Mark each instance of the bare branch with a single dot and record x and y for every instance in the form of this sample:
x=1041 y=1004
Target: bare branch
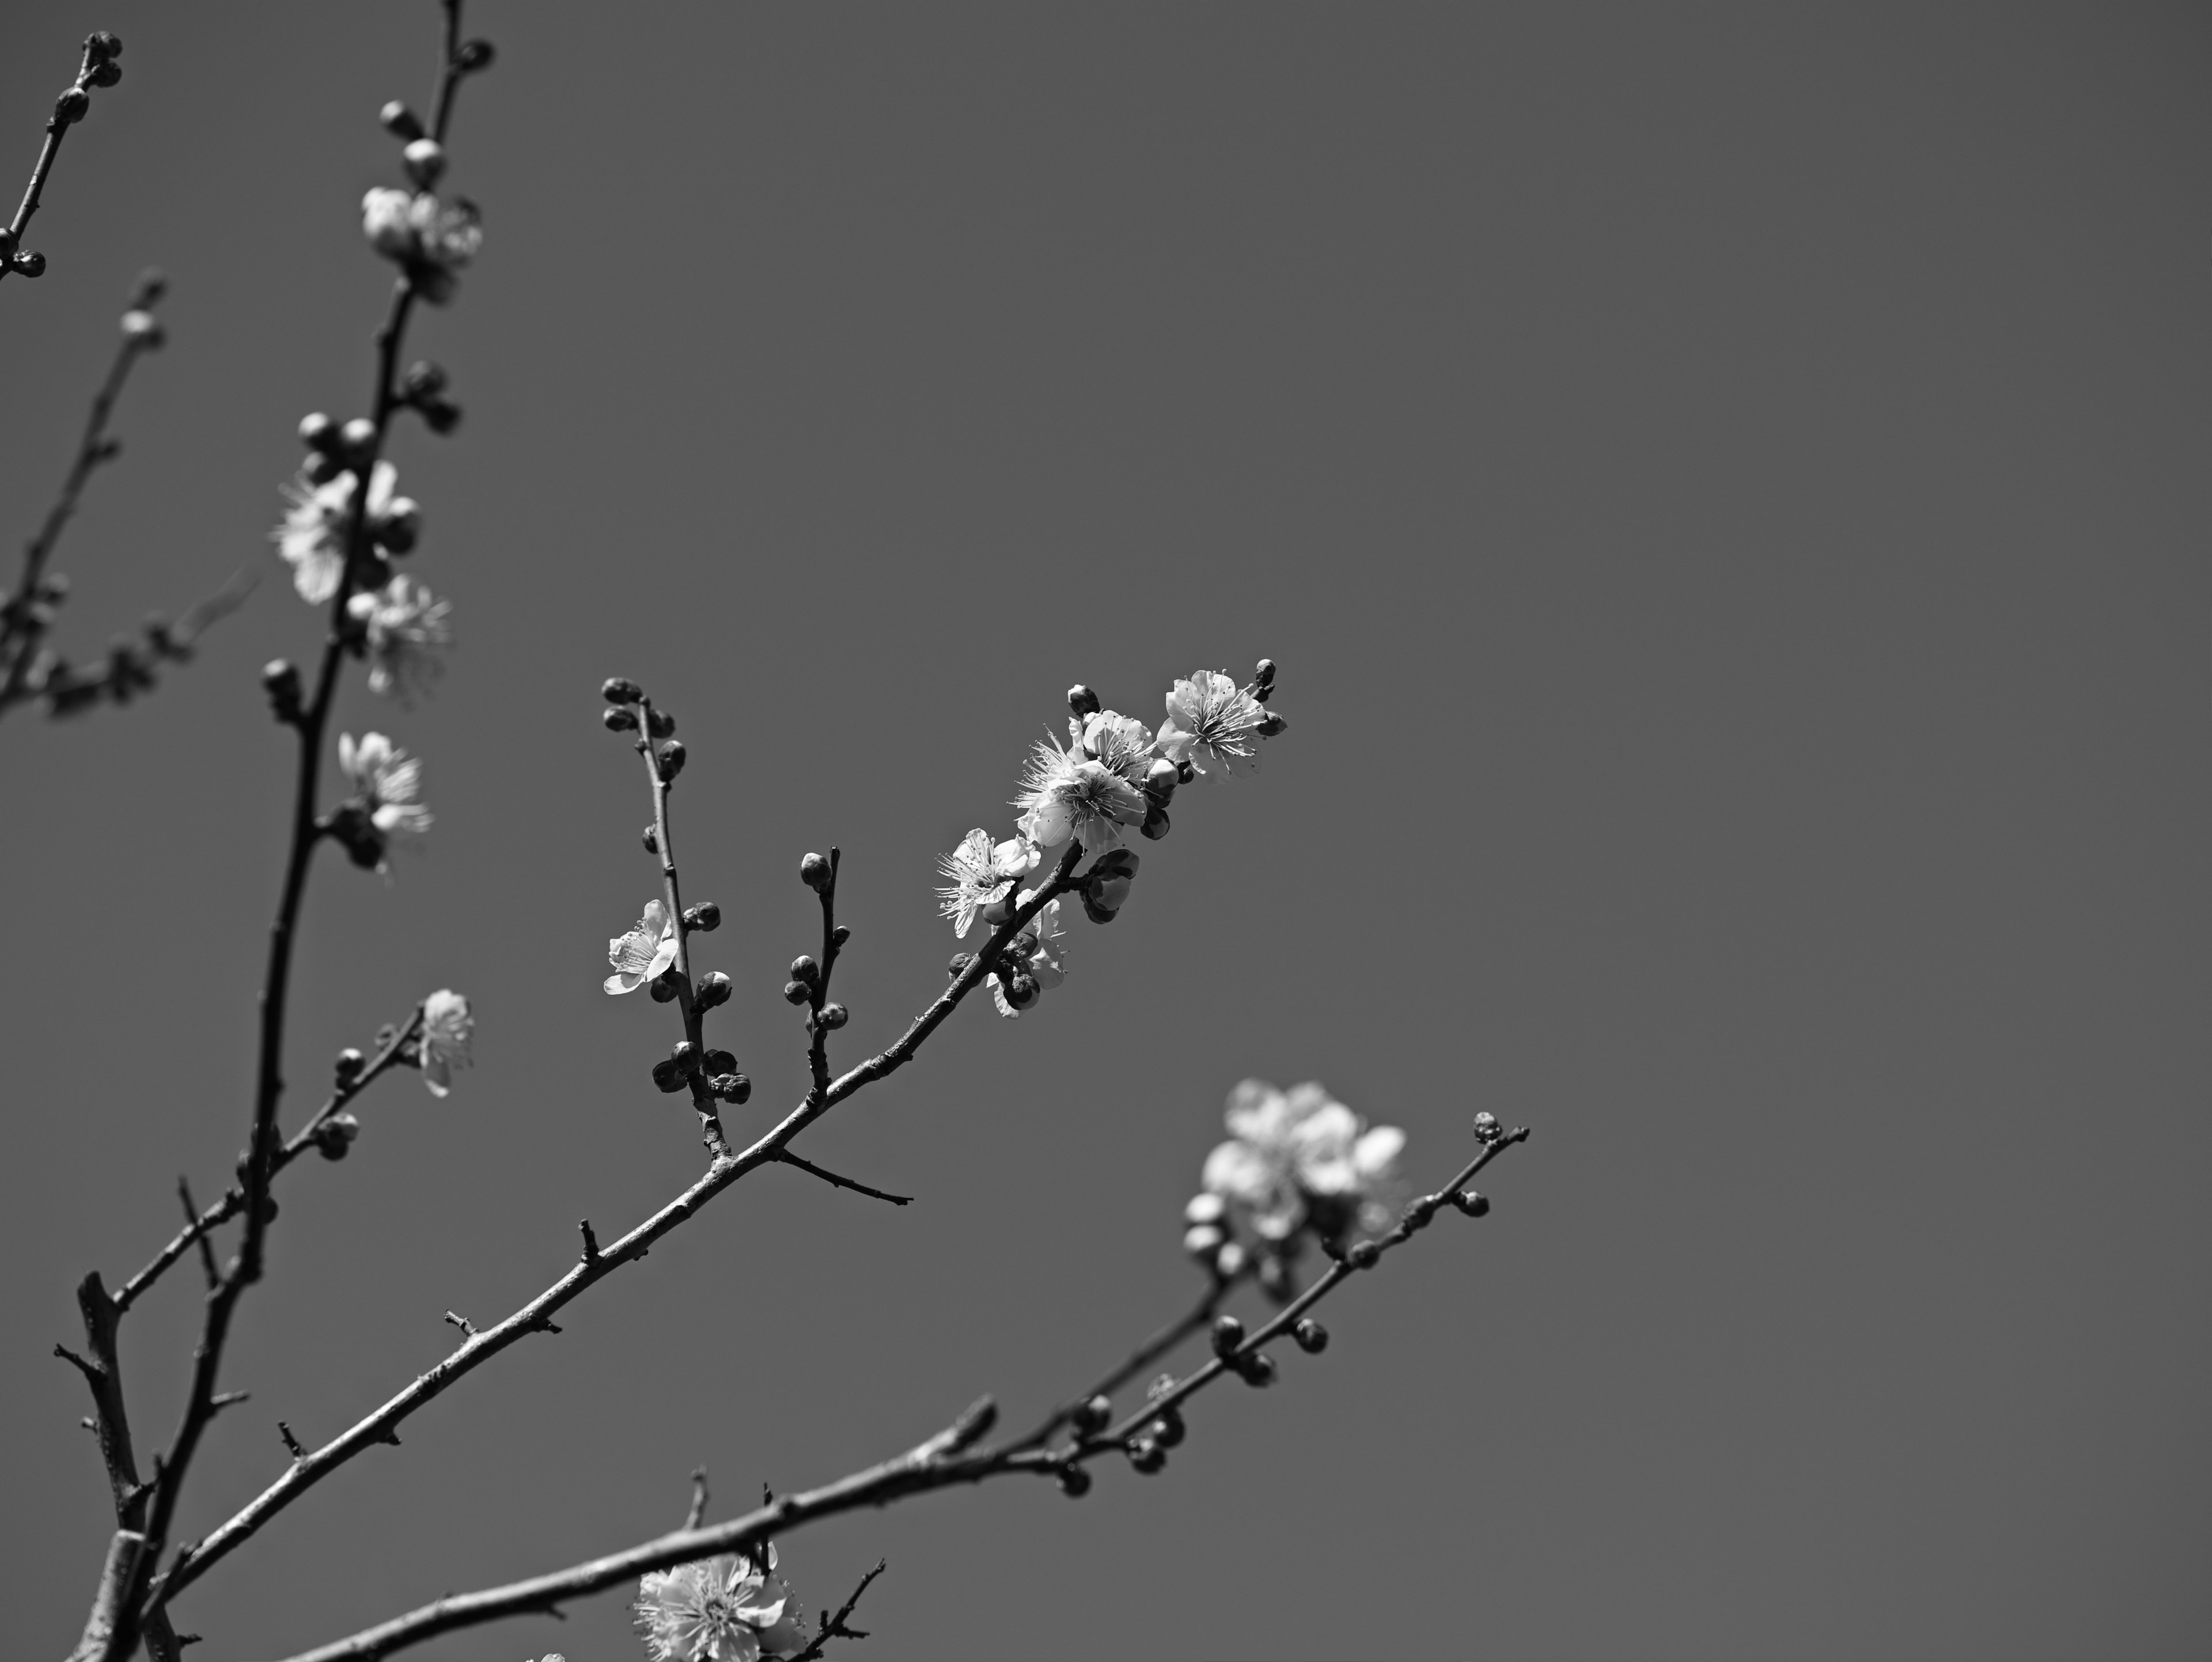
x=698 y=1508
x=836 y=1627
x=97 y=68
x=836 y=1182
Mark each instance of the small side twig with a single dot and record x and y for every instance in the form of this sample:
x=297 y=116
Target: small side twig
x=836 y=1627
x=838 y=1182
x=98 y=68
x=697 y=1511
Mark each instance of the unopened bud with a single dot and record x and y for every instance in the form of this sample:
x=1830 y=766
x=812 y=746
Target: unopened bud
x=473 y=57
x=672 y=759
x=660 y=990
x=425 y=161
x=397 y=530
x=840 y=935
x=1364 y=1255
x=1207 y=1207
x=834 y=1016
x=621 y=690
x=350 y=1062
x=1228 y=1333
x=1093 y=1416
x=804 y=968
x=144 y=328
x=1200 y=1238
x=1487 y=1128
x=101 y=44
x=400 y=122
x=1257 y=1370
x=958 y=965
x=321 y=467
x=356 y=438
x=685 y=1056
x=797 y=992
x=1271 y=725
x=734 y=1088
x=336 y=1134
x=1082 y=701
x=29 y=264
x=317 y=431
x=617 y=719
x=423 y=380
x=1312 y=1336
x=1074 y=1482
x=1155 y=822
x=718 y=1062
x=1264 y=676
x=1184 y=771
x=280 y=681
x=704 y=915
x=814 y=872
x=659 y=723
x=1145 y=1455
x=667 y=1075
x=1473 y=1204
x=651 y=840
x=713 y=989
x=105 y=75
x=72 y=105
x=1023 y=991
x=1168 y=1430
x=1229 y=1263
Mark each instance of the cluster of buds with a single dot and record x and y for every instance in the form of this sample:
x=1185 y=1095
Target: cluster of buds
x=98 y=68
x=429 y=238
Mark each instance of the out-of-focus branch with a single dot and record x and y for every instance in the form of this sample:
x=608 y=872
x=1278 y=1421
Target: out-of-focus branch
x=949 y=1457
x=97 y=68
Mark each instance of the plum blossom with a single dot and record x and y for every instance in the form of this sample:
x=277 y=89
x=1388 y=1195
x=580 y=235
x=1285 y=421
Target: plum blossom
x=433 y=240
x=1118 y=742
x=406 y=625
x=981 y=875
x=724 y=1609
x=1067 y=794
x=644 y=952
x=1300 y=1157
x=387 y=780
x=317 y=533
x=448 y=1029
x=1045 y=962
x=1212 y=723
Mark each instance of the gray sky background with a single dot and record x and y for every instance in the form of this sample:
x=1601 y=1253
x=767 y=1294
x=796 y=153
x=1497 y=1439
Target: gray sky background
x=1725 y=486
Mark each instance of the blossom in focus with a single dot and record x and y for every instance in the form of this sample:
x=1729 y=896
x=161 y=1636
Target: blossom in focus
x=1118 y=742
x=317 y=530
x=1212 y=723
x=724 y=1609
x=981 y=872
x=1300 y=1156
x=1044 y=962
x=387 y=781
x=406 y=625
x=433 y=240
x=644 y=952
x=1067 y=793
x=447 y=1029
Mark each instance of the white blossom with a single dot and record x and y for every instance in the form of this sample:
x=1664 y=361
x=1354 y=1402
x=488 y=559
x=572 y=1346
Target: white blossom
x=432 y=238
x=448 y=1028
x=644 y=952
x=1211 y=723
x=1067 y=794
x=316 y=534
x=1292 y=1156
x=724 y=1609
x=981 y=872
x=405 y=625
x=387 y=781
x=1045 y=962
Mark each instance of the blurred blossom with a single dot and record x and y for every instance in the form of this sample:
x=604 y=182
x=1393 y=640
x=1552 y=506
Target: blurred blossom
x=1066 y=793
x=981 y=873
x=433 y=240
x=318 y=529
x=387 y=781
x=448 y=1027
x=642 y=954
x=406 y=625
x=1046 y=962
x=724 y=1609
x=1211 y=724
x=1300 y=1157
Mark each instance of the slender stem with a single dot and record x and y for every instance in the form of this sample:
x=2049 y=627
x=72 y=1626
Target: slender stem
x=56 y=127
x=1198 y=1316
x=836 y=1182
x=817 y=1045
x=702 y=1097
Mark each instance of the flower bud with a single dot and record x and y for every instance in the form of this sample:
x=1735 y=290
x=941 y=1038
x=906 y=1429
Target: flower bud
x=400 y=525
x=1257 y=1370
x=144 y=328
x=814 y=872
x=1229 y=1263
x=1474 y=1205
x=995 y=912
x=423 y=380
x=1208 y=1207
x=1488 y=1130
x=1312 y=1336
x=652 y=841
x=840 y=935
x=1093 y=1416
x=661 y=989
x=425 y=161
x=105 y=75
x=734 y=1088
x=72 y=105
x=659 y=723
x=1364 y=1255
x=1023 y=991
x=718 y=1062
x=797 y=992
x=804 y=968
x=336 y=1134
x=617 y=719
x=1082 y=701
x=1074 y=1482
x=834 y=1016
x=685 y=1056
x=439 y=415
x=1228 y=1333
x=321 y=468
x=350 y=1062
x=1200 y=1238
x=713 y=989
x=1145 y=1455
x=1184 y=771
x=319 y=432
x=356 y=437
x=101 y=44
x=621 y=690
x=1162 y=778
x=1155 y=822
x=280 y=681
x=672 y=759
x=1271 y=725
x=28 y=264
x=667 y=1075
x=1419 y=1214
x=400 y=122
x=959 y=963
x=474 y=57
x=704 y=915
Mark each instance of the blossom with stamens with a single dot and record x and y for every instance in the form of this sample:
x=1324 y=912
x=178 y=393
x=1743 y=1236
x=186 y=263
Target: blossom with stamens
x=387 y=781
x=1045 y=962
x=448 y=1028
x=433 y=240
x=1067 y=794
x=1119 y=742
x=724 y=1609
x=1301 y=1156
x=404 y=625
x=644 y=952
x=316 y=534
x=1212 y=723
x=981 y=873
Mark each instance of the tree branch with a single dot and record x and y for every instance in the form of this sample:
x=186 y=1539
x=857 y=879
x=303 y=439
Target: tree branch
x=836 y=1182
x=97 y=68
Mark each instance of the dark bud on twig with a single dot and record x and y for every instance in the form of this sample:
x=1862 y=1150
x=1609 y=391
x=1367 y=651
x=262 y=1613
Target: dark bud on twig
x=336 y=1134
x=319 y=432
x=718 y=1062
x=651 y=842
x=661 y=990
x=400 y=122
x=959 y=967
x=1145 y=1455
x=101 y=44
x=713 y=989
x=1082 y=701
x=144 y=329
x=814 y=872
x=797 y=992
x=834 y=1016
x=1419 y=1214
x=28 y=264
x=425 y=161
x=474 y=57
x=1228 y=1334
x=1364 y=1255
x=1074 y=1482
x=357 y=437
x=667 y=1075
x=805 y=969
x=840 y=935
x=734 y=1088
x=1263 y=678
x=617 y=719
x=1093 y=1416
x=1312 y=1336
x=1185 y=771
x=350 y=1063
x=659 y=723
x=1168 y=1430
x=1272 y=725
x=105 y=75
x=280 y=681
x=1155 y=822
x=685 y=1056
x=1256 y=1370
x=72 y=105
x=1023 y=991
x=704 y=915
x=1473 y=1204
x=1488 y=1130
x=439 y=415
x=621 y=690
x=423 y=380
x=672 y=759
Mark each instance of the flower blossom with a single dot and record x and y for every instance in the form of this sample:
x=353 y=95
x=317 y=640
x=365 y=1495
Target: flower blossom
x=1300 y=1157
x=387 y=781
x=448 y=1028
x=1118 y=742
x=645 y=953
x=406 y=625
x=1212 y=723
x=724 y=1609
x=317 y=535
x=1068 y=793
x=981 y=875
x=1040 y=952
x=433 y=240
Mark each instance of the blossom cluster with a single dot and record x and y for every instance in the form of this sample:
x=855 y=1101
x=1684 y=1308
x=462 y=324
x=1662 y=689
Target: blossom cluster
x=1114 y=774
x=730 y=1608
x=1298 y=1164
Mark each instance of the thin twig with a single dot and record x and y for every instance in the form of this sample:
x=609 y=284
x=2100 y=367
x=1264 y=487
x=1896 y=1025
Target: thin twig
x=1199 y=1314
x=99 y=48
x=836 y=1627
x=697 y=1510
x=836 y=1182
